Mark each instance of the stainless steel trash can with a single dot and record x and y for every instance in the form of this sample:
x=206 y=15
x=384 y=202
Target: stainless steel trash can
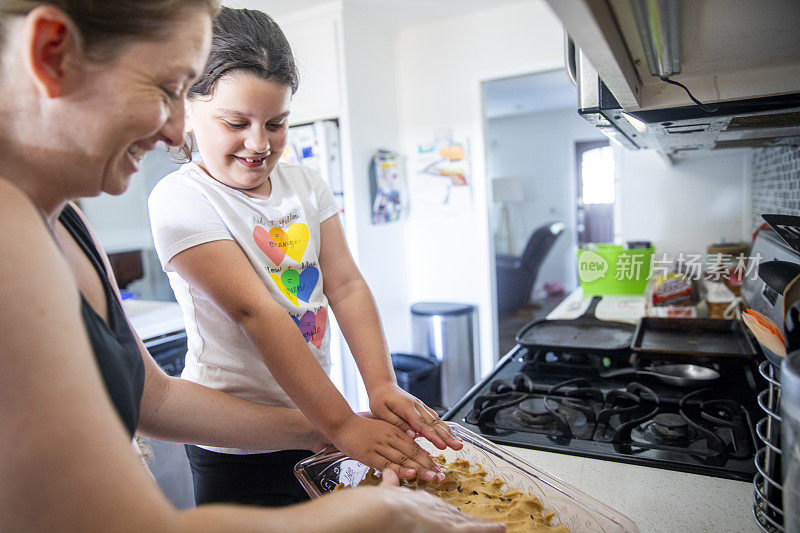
x=446 y=331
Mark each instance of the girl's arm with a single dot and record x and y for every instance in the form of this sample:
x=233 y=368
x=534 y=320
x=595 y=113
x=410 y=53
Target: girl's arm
x=357 y=315
x=67 y=461
x=178 y=410
x=222 y=272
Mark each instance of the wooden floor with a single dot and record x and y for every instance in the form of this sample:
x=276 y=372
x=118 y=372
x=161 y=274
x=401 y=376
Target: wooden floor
x=510 y=325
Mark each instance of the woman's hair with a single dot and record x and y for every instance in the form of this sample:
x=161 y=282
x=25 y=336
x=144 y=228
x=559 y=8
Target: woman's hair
x=243 y=40
x=247 y=40
x=103 y=26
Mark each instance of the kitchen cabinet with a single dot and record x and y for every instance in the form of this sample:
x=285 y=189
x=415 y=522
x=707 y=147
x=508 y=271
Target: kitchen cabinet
x=315 y=40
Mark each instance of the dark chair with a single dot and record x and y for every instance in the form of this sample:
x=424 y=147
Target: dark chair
x=516 y=275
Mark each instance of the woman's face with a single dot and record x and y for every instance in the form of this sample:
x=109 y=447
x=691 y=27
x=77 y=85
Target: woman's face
x=241 y=130
x=136 y=100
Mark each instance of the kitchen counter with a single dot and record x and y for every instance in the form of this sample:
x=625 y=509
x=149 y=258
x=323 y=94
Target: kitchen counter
x=657 y=500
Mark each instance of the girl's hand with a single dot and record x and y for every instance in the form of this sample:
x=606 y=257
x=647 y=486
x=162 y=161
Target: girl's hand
x=380 y=445
x=394 y=405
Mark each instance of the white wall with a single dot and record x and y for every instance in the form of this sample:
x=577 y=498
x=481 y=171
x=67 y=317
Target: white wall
x=686 y=207
x=440 y=69
x=369 y=52
x=539 y=149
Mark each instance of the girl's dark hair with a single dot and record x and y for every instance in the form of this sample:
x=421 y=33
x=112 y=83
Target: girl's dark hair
x=104 y=26
x=243 y=40
x=247 y=40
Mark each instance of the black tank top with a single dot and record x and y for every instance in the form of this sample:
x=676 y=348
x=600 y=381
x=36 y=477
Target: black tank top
x=115 y=348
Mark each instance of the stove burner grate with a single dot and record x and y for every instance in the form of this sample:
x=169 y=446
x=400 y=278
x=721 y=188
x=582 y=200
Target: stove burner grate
x=633 y=419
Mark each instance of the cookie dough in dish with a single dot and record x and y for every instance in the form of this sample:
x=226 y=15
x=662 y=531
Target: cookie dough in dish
x=466 y=487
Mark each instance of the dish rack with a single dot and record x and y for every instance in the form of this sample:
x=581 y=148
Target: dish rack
x=768 y=493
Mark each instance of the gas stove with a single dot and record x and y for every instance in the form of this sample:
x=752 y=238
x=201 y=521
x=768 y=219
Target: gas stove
x=558 y=402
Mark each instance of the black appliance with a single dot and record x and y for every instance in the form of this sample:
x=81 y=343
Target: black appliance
x=169 y=351
x=558 y=402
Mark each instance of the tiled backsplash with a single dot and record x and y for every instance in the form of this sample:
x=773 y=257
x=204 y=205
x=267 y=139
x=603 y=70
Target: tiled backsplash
x=775 y=187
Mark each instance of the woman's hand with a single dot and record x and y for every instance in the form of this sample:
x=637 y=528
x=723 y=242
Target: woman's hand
x=419 y=511
x=381 y=445
x=394 y=405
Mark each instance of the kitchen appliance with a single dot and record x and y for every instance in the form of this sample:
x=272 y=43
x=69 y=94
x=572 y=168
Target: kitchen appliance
x=778 y=244
x=559 y=402
x=581 y=513
x=585 y=334
x=677 y=375
x=317 y=145
x=699 y=339
x=790 y=439
x=738 y=62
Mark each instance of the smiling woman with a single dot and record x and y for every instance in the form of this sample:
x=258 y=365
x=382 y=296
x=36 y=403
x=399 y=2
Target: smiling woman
x=88 y=88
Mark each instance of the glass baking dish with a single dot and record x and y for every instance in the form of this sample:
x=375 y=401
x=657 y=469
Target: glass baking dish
x=574 y=509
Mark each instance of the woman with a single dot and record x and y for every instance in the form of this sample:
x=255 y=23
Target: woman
x=88 y=88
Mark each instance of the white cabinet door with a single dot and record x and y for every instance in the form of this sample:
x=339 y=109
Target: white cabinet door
x=315 y=44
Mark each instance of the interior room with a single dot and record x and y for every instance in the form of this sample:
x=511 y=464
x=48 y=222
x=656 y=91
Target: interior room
x=493 y=183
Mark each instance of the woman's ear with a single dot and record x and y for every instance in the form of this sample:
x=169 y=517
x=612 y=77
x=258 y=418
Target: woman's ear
x=50 y=45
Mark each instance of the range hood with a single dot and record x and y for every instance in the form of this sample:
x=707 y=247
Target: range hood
x=685 y=76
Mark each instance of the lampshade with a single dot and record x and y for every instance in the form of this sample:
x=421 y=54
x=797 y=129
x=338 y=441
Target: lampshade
x=507 y=190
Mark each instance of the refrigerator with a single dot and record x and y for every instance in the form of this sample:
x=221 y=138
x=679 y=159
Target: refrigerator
x=316 y=145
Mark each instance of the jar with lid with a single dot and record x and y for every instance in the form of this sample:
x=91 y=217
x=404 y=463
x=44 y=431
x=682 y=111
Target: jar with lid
x=790 y=440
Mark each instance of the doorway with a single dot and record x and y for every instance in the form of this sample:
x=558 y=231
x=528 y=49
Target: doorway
x=531 y=127
x=595 y=189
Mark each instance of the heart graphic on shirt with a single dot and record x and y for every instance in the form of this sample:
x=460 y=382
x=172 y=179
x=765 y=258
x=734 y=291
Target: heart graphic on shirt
x=268 y=246
x=313 y=326
x=286 y=282
x=307 y=282
x=278 y=243
x=293 y=241
x=294 y=285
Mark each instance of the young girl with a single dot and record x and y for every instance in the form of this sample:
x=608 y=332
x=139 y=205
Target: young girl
x=246 y=243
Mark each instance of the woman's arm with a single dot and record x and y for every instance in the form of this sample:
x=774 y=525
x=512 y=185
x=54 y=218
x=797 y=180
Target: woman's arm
x=221 y=271
x=179 y=410
x=357 y=315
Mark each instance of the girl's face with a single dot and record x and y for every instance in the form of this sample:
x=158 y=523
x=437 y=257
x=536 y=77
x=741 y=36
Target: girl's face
x=241 y=130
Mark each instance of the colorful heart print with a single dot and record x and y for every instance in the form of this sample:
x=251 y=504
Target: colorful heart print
x=291 y=296
x=268 y=246
x=313 y=326
x=297 y=286
x=307 y=282
x=278 y=243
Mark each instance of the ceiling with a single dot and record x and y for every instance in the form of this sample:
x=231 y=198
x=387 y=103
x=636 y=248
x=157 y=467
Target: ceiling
x=400 y=12
x=504 y=97
x=532 y=93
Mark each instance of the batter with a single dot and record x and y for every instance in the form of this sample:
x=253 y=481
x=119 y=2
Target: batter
x=471 y=493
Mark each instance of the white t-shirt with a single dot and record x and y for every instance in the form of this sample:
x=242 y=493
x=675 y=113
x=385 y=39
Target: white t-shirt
x=280 y=237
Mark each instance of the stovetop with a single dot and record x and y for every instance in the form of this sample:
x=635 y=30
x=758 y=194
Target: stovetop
x=560 y=403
